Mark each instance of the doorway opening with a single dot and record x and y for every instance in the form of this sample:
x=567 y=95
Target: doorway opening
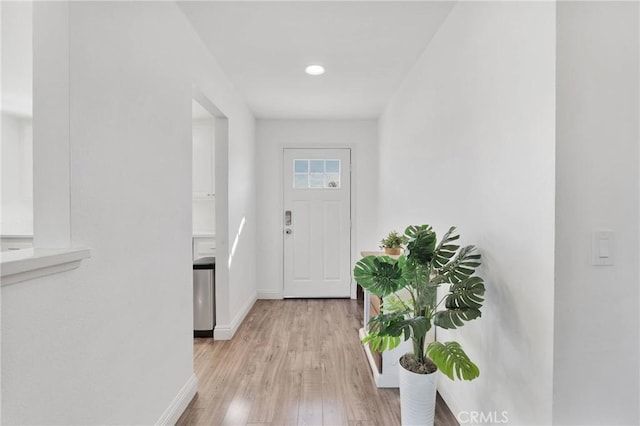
x=16 y=124
x=210 y=139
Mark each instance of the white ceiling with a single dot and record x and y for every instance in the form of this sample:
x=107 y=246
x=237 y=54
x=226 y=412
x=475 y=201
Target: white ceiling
x=367 y=48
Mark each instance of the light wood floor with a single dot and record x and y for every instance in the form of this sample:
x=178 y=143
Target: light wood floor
x=293 y=362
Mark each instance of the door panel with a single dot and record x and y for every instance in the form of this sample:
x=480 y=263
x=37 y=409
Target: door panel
x=331 y=244
x=317 y=245
x=301 y=240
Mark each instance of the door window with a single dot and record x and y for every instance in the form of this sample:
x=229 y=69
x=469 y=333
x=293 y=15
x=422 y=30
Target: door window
x=316 y=174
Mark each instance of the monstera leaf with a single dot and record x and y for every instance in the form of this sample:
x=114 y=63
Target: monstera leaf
x=380 y=324
x=452 y=361
x=409 y=327
x=380 y=275
x=381 y=343
x=385 y=328
x=463 y=303
x=421 y=245
x=446 y=249
x=395 y=304
x=379 y=336
x=455 y=318
x=462 y=266
x=466 y=294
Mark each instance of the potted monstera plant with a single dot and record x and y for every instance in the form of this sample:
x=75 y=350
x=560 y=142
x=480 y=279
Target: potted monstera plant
x=408 y=286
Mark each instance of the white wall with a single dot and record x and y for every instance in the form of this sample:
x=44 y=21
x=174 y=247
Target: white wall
x=16 y=153
x=111 y=342
x=274 y=135
x=468 y=140
x=596 y=307
x=242 y=222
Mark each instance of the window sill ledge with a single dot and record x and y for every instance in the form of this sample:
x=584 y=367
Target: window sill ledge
x=27 y=264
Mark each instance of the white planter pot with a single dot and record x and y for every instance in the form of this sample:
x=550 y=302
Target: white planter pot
x=417 y=397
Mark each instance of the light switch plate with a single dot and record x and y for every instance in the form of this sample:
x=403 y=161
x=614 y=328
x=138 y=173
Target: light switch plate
x=602 y=248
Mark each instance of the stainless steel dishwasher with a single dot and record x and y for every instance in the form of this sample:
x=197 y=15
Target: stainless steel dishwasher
x=204 y=296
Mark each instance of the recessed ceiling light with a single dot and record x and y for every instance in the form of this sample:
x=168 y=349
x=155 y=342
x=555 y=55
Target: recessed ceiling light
x=314 y=70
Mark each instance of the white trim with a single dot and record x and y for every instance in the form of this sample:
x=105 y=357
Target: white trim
x=449 y=398
x=270 y=294
x=180 y=402
x=353 y=211
x=226 y=332
x=27 y=264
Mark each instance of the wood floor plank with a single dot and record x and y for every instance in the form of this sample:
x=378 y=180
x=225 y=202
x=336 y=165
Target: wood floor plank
x=362 y=423
x=293 y=362
x=288 y=393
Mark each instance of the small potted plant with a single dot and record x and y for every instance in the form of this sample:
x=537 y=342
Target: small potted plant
x=424 y=267
x=393 y=243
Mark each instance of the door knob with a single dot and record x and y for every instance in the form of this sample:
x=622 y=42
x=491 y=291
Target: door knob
x=288 y=231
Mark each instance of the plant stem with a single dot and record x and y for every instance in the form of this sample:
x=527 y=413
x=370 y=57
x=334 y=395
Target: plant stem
x=441 y=300
x=413 y=298
x=418 y=349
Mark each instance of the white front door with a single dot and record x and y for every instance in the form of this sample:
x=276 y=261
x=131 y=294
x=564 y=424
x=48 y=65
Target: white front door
x=316 y=222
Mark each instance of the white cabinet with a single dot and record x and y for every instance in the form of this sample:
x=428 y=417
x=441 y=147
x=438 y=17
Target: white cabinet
x=204 y=187
x=204 y=246
x=204 y=184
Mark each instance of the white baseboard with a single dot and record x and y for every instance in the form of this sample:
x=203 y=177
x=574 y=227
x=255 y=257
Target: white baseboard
x=270 y=294
x=227 y=331
x=448 y=397
x=179 y=403
x=372 y=363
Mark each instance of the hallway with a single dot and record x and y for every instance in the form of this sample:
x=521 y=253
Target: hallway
x=293 y=362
